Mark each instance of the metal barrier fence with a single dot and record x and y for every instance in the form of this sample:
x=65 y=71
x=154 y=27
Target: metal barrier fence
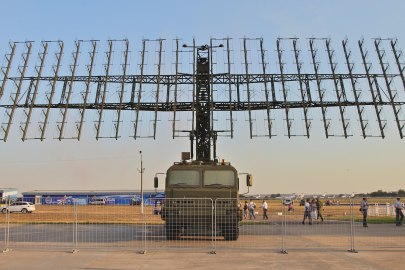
x=379 y=228
x=184 y=223
x=249 y=228
x=200 y=224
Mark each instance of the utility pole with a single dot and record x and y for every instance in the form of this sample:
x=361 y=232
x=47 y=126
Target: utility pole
x=141 y=171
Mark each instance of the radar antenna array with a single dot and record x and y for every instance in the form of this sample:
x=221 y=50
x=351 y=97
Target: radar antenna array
x=203 y=90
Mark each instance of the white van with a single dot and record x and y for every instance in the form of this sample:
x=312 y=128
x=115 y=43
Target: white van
x=97 y=201
x=287 y=201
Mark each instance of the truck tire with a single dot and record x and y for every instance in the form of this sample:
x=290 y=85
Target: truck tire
x=172 y=231
x=230 y=231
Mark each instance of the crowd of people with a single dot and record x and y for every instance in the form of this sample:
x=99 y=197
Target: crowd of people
x=313 y=211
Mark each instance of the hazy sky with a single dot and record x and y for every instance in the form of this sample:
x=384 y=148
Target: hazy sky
x=278 y=165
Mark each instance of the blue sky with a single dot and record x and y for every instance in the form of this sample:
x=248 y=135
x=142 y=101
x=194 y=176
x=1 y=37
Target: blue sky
x=314 y=165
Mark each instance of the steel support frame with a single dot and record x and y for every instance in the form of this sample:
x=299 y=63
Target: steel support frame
x=64 y=110
x=203 y=105
x=339 y=93
x=301 y=85
x=356 y=92
x=218 y=106
x=321 y=92
x=392 y=96
x=211 y=93
x=27 y=98
x=58 y=57
x=92 y=54
x=158 y=86
x=247 y=87
x=25 y=56
x=266 y=91
x=175 y=86
x=228 y=54
x=221 y=78
x=192 y=133
x=140 y=89
x=31 y=100
x=121 y=93
x=100 y=111
x=398 y=55
x=286 y=107
x=377 y=107
x=9 y=59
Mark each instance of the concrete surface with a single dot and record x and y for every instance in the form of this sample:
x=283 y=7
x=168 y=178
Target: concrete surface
x=224 y=259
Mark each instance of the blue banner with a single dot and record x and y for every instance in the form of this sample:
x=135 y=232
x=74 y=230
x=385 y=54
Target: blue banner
x=83 y=200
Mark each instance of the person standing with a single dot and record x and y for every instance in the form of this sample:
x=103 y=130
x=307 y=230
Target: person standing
x=245 y=210
x=252 y=207
x=398 y=210
x=364 y=209
x=312 y=208
x=319 y=207
x=306 y=212
x=264 y=206
x=291 y=207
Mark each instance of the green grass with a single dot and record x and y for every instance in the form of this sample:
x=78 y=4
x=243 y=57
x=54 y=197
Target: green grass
x=377 y=220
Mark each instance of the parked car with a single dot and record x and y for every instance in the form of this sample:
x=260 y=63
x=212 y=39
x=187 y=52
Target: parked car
x=97 y=201
x=23 y=207
x=135 y=201
x=287 y=201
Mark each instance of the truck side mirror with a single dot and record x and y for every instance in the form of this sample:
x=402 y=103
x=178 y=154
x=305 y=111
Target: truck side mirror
x=156 y=182
x=249 y=180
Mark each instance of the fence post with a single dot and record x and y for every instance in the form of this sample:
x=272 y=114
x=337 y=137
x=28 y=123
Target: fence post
x=74 y=248
x=143 y=212
x=7 y=227
x=283 y=229
x=214 y=226
x=352 y=235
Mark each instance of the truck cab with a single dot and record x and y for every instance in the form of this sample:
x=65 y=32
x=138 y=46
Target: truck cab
x=202 y=180
x=201 y=194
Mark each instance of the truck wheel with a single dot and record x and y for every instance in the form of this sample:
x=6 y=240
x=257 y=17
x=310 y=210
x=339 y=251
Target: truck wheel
x=230 y=232
x=4 y=210
x=24 y=211
x=172 y=231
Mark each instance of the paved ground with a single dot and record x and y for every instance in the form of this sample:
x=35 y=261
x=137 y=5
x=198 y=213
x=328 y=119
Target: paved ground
x=118 y=246
x=175 y=259
x=327 y=234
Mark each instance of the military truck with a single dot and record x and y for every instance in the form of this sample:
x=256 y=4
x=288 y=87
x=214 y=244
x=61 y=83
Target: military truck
x=190 y=185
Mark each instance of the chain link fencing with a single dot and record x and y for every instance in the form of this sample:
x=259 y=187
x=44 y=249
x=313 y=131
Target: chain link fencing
x=201 y=224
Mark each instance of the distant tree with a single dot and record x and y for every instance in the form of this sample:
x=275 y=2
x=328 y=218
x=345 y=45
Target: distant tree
x=380 y=193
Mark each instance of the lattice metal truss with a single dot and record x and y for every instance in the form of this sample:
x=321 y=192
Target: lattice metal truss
x=202 y=82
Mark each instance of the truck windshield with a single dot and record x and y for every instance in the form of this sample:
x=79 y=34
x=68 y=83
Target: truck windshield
x=184 y=178
x=219 y=178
